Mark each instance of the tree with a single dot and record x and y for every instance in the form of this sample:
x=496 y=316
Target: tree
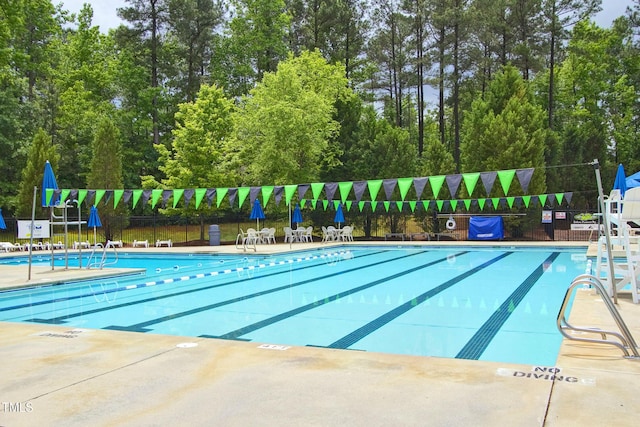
x=40 y=151
x=284 y=128
x=200 y=156
x=506 y=130
x=106 y=169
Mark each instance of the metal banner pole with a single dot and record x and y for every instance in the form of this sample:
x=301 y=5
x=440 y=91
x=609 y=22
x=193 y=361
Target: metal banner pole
x=33 y=220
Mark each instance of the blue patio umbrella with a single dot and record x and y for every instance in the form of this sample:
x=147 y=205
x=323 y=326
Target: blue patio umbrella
x=94 y=221
x=297 y=215
x=257 y=213
x=48 y=182
x=633 y=180
x=620 y=182
x=339 y=217
x=3 y=225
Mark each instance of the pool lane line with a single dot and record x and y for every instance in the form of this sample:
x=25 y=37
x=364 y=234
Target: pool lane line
x=140 y=327
x=61 y=319
x=277 y=318
x=360 y=333
x=171 y=280
x=474 y=348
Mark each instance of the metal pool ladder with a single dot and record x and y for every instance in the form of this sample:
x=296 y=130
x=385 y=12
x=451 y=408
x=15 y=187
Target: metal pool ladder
x=102 y=261
x=625 y=342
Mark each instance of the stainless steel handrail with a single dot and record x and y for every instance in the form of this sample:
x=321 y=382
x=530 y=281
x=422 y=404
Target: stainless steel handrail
x=626 y=342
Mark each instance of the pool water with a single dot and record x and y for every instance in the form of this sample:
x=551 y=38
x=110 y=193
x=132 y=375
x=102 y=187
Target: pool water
x=481 y=304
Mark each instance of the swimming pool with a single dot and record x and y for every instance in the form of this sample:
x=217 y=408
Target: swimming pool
x=497 y=304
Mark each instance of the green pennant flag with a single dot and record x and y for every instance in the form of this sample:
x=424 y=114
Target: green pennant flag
x=440 y=204
x=348 y=205
x=526 y=200
x=412 y=205
x=325 y=204
x=267 y=191
x=467 y=203
x=559 y=197
x=303 y=202
x=345 y=188
x=361 y=205
x=470 y=181
x=243 y=192
x=374 y=186
x=374 y=205
x=386 y=205
x=316 y=189
x=543 y=199
x=289 y=191
x=117 y=196
x=505 y=179
x=314 y=203
x=404 y=184
x=99 y=195
x=399 y=204
x=200 y=193
x=81 y=196
x=425 y=204
x=136 y=197
x=436 y=184
x=177 y=195
x=510 y=201
x=63 y=195
x=220 y=194
x=156 y=193
x=48 y=194
x=335 y=204
x=496 y=201
x=481 y=203
x=454 y=204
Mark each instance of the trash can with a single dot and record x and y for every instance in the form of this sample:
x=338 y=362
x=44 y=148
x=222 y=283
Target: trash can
x=214 y=235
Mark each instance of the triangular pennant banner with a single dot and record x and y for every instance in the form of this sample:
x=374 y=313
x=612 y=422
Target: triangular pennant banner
x=99 y=196
x=146 y=195
x=361 y=205
x=316 y=189
x=436 y=184
x=389 y=185
x=481 y=203
x=177 y=195
x=166 y=194
x=302 y=189
x=81 y=195
x=467 y=203
x=188 y=195
x=243 y=192
x=386 y=205
x=209 y=195
x=156 y=193
x=505 y=179
x=253 y=194
x=330 y=190
x=220 y=193
x=526 y=200
x=524 y=177
x=510 y=201
x=136 y=197
x=399 y=204
x=267 y=191
x=289 y=191
x=488 y=179
x=470 y=181
x=232 y=193
x=278 y=190
x=199 y=192
x=127 y=196
x=453 y=182
x=439 y=204
x=358 y=190
x=404 y=184
x=419 y=184
x=117 y=196
x=412 y=205
x=559 y=197
x=374 y=187
x=568 y=196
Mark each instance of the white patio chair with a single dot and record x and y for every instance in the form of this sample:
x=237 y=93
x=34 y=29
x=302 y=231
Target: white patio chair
x=347 y=233
x=307 y=236
x=288 y=235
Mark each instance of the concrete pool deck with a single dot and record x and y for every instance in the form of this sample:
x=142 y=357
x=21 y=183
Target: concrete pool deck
x=53 y=375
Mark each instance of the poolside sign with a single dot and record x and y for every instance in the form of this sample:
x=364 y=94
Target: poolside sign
x=40 y=229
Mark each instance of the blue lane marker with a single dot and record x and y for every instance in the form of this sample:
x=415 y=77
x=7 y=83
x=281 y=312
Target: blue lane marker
x=474 y=348
x=266 y=322
x=375 y=324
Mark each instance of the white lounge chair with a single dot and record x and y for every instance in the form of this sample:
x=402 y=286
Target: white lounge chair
x=166 y=243
x=140 y=244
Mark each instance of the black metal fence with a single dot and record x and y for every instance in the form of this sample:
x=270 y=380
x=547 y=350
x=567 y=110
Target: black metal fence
x=193 y=229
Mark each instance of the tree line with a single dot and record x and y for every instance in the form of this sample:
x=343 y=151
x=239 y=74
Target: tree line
x=206 y=93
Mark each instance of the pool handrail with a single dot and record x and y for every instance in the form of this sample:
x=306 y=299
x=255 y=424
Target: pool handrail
x=626 y=344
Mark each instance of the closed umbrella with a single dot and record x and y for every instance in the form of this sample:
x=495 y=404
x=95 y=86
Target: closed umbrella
x=48 y=182
x=257 y=213
x=620 y=182
x=339 y=217
x=94 y=221
x=297 y=214
x=3 y=225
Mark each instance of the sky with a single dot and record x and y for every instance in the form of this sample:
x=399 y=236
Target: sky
x=105 y=16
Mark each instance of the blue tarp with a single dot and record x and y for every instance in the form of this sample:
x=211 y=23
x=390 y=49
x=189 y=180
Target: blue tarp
x=486 y=228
